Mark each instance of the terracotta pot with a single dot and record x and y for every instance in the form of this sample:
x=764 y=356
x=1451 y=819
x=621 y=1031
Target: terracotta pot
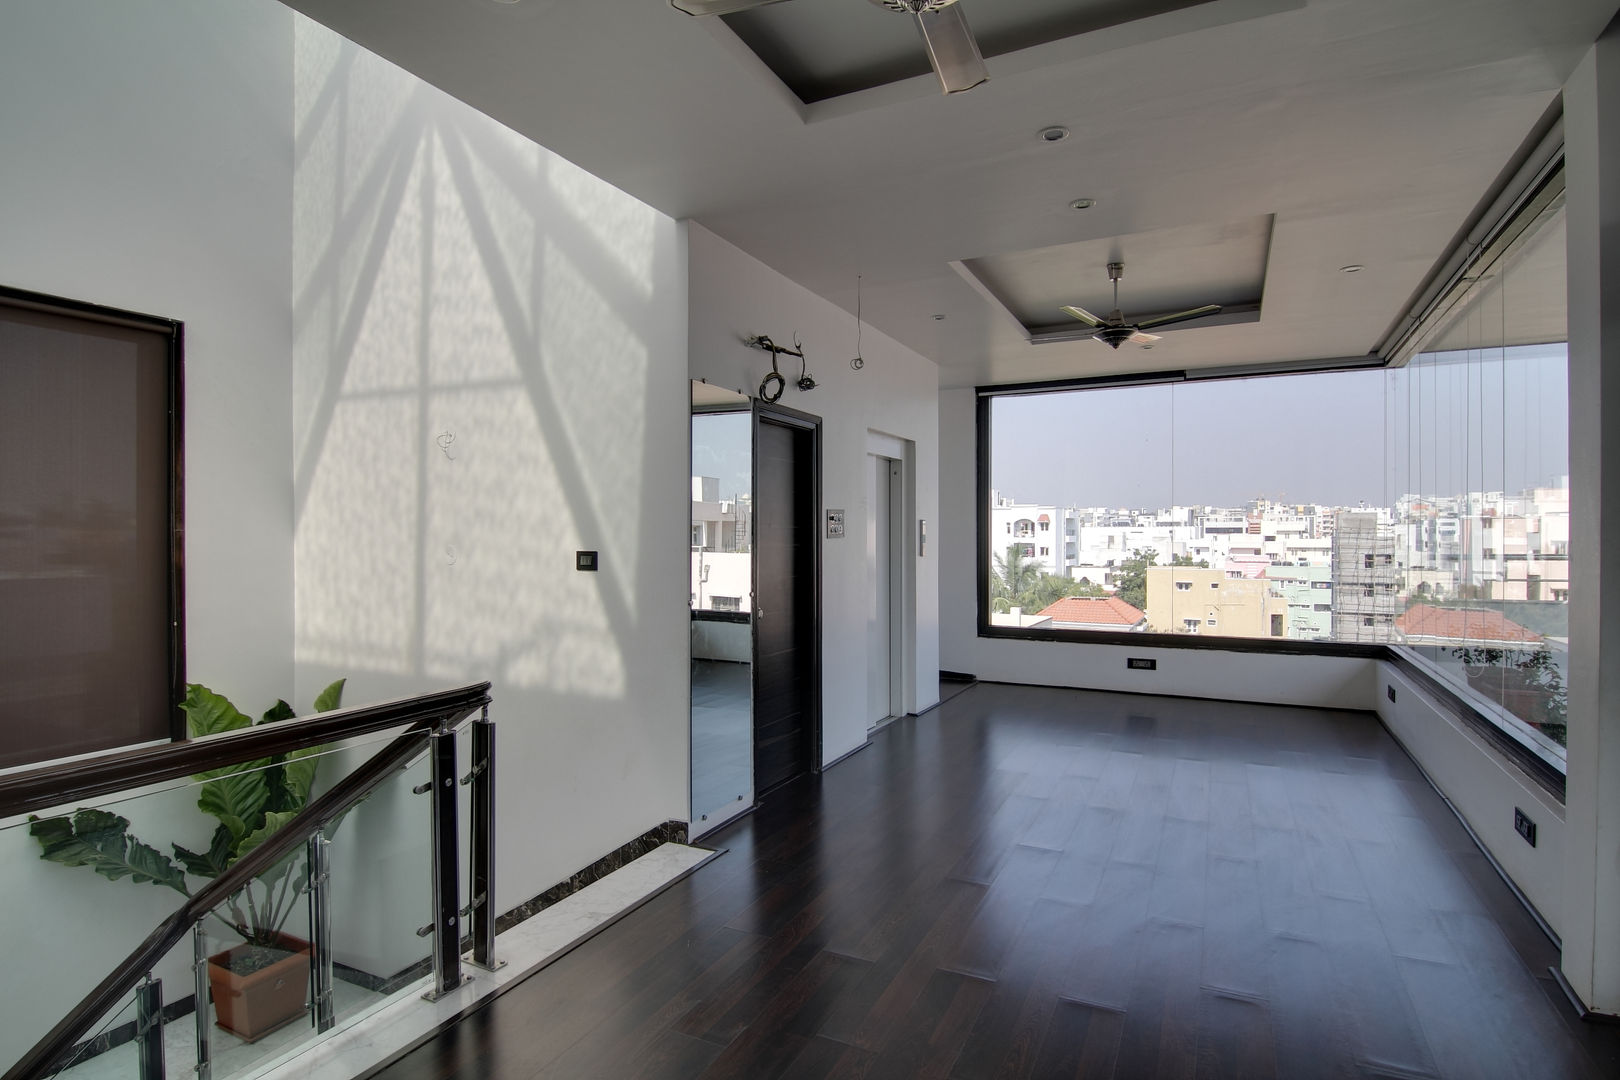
x=253 y=1005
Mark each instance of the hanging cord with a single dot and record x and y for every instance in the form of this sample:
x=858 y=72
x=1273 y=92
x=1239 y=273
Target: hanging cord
x=857 y=363
x=805 y=381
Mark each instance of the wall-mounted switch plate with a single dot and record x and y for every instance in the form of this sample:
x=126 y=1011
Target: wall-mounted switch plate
x=1389 y=692
x=585 y=560
x=1141 y=663
x=1524 y=826
x=835 y=524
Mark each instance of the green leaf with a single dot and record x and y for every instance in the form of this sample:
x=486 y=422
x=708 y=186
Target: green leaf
x=208 y=713
x=331 y=698
x=213 y=862
x=101 y=841
x=279 y=711
x=298 y=773
x=273 y=823
x=238 y=798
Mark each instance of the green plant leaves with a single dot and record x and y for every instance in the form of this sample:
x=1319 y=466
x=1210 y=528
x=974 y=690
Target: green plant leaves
x=237 y=799
x=213 y=862
x=330 y=698
x=208 y=713
x=273 y=823
x=252 y=802
x=101 y=841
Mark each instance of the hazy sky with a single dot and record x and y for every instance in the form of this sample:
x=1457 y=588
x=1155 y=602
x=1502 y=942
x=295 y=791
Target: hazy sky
x=721 y=448
x=1340 y=438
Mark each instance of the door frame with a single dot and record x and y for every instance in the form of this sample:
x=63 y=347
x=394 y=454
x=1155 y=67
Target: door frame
x=769 y=413
x=903 y=617
x=701 y=823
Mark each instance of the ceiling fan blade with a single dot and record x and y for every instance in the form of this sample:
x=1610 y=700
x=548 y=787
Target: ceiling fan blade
x=951 y=48
x=1144 y=339
x=1082 y=314
x=1180 y=316
x=717 y=7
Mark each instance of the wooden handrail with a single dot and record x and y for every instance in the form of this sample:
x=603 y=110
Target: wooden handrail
x=40 y=788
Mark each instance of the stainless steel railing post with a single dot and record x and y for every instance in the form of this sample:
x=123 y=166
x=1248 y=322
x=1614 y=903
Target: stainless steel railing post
x=149 y=1028
x=320 y=931
x=482 y=901
x=199 y=982
x=446 y=864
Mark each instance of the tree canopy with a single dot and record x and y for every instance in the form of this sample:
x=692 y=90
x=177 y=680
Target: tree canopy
x=1130 y=584
x=1020 y=582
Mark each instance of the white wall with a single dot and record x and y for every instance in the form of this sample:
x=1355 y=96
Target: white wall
x=146 y=159
x=1484 y=788
x=1323 y=681
x=489 y=373
x=734 y=296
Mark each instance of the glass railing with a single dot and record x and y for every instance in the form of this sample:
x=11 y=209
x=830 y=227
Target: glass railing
x=227 y=941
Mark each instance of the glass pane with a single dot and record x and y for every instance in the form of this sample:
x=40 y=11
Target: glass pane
x=89 y=882
x=1080 y=509
x=722 y=606
x=1486 y=539
x=108 y=1050
x=258 y=969
x=382 y=892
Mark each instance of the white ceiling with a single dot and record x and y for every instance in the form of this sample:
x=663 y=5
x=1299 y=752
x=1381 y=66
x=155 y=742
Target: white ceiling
x=1369 y=129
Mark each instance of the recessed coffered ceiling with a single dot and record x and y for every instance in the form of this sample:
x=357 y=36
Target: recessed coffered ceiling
x=1365 y=131
x=819 y=55
x=1165 y=271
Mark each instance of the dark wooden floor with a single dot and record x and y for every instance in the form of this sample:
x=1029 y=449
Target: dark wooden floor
x=1049 y=883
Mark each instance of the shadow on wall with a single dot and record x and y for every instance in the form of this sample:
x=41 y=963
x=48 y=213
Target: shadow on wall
x=469 y=393
x=487 y=340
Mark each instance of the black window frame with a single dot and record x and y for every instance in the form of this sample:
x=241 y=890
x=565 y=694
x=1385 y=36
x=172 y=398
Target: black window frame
x=174 y=331
x=1549 y=778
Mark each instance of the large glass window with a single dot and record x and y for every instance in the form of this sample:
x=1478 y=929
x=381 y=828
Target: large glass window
x=1423 y=506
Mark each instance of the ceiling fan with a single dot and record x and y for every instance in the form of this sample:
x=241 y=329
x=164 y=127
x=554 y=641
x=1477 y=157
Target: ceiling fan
x=952 y=49
x=1114 y=331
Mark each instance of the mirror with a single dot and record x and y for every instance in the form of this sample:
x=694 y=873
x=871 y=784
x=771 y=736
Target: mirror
x=721 y=600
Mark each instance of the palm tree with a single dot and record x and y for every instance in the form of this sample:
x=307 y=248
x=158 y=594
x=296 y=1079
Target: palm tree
x=1014 y=580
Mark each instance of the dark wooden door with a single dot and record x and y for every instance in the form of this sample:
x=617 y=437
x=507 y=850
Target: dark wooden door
x=787 y=616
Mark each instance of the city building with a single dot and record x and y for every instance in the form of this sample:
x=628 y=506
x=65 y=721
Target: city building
x=1365 y=578
x=1193 y=600
x=1308 y=592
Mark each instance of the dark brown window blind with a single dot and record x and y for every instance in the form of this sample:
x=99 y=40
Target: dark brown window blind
x=89 y=589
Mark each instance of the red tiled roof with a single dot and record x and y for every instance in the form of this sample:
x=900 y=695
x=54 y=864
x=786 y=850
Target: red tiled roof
x=1094 y=610
x=1461 y=624
x=1043 y=517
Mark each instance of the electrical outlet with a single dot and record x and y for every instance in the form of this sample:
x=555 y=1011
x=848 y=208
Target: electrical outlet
x=1389 y=692
x=1524 y=826
x=1141 y=663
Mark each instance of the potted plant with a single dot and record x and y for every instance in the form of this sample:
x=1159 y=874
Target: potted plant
x=260 y=984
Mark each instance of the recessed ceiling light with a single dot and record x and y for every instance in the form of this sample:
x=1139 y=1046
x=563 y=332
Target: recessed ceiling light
x=1082 y=204
x=1353 y=268
x=939 y=318
x=1055 y=133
